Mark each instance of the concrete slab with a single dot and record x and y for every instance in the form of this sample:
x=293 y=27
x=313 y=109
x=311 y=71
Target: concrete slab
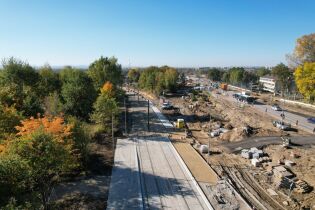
x=173 y=189
x=125 y=191
x=149 y=173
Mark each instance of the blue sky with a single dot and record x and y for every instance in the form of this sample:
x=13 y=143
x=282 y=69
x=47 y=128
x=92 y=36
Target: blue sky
x=183 y=33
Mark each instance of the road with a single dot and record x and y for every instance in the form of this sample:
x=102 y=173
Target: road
x=148 y=173
x=267 y=140
x=289 y=117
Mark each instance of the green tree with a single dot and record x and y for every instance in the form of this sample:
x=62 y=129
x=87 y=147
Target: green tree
x=19 y=87
x=15 y=178
x=305 y=80
x=226 y=76
x=105 y=69
x=104 y=108
x=18 y=72
x=283 y=76
x=262 y=72
x=236 y=75
x=32 y=103
x=81 y=139
x=147 y=78
x=182 y=78
x=11 y=94
x=47 y=159
x=77 y=93
x=171 y=78
x=214 y=74
x=52 y=104
x=249 y=77
x=9 y=118
x=49 y=81
x=156 y=79
x=133 y=75
x=32 y=164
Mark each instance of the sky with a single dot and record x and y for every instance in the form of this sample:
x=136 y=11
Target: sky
x=178 y=33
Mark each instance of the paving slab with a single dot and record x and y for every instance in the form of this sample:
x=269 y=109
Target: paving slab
x=173 y=188
x=148 y=173
x=125 y=190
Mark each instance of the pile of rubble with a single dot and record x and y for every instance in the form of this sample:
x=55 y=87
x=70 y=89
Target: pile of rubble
x=282 y=175
x=257 y=156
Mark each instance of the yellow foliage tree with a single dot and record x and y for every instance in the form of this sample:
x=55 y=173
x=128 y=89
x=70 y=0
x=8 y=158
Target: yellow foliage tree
x=305 y=80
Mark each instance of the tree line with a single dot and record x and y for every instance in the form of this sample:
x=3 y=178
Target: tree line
x=301 y=70
x=155 y=79
x=45 y=125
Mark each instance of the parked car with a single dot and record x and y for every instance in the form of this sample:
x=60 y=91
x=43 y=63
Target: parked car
x=235 y=95
x=166 y=106
x=311 y=120
x=276 y=107
x=217 y=132
x=214 y=133
x=281 y=125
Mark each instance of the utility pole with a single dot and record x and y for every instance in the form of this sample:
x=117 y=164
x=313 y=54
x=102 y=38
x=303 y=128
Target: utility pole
x=125 y=115
x=148 y=115
x=208 y=151
x=113 y=130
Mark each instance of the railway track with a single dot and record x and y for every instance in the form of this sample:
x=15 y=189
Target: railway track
x=247 y=187
x=260 y=191
x=164 y=183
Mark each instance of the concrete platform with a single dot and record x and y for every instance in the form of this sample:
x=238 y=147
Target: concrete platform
x=148 y=174
x=125 y=191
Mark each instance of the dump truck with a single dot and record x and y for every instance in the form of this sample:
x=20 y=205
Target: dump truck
x=180 y=123
x=224 y=86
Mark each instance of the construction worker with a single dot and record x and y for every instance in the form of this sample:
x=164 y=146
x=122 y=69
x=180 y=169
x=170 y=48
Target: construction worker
x=297 y=123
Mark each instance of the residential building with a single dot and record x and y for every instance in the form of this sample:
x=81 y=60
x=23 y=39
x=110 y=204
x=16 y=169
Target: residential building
x=269 y=84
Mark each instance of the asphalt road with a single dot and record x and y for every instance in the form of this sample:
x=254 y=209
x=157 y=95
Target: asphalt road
x=289 y=117
x=148 y=173
x=298 y=141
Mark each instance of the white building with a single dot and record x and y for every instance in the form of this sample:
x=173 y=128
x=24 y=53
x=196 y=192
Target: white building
x=269 y=84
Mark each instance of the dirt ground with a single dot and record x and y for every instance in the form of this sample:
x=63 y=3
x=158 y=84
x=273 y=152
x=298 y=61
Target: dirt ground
x=223 y=114
x=233 y=117
x=89 y=191
x=304 y=158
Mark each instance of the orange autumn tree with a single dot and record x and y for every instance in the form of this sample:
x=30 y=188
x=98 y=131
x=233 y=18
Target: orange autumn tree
x=108 y=89
x=53 y=125
x=2 y=148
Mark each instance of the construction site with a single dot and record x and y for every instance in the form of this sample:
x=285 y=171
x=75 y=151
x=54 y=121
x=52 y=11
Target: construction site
x=248 y=162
